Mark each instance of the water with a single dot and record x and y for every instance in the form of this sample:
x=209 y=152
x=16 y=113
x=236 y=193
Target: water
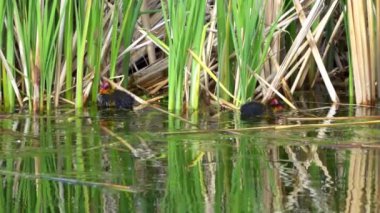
x=112 y=161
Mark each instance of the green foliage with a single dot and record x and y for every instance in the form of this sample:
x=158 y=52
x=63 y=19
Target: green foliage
x=184 y=24
x=50 y=37
x=9 y=96
x=251 y=41
x=225 y=48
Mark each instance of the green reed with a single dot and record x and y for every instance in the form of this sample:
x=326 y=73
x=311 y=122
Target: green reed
x=184 y=24
x=225 y=48
x=68 y=50
x=198 y=46
x=251 y=40
x=82 y=15
x=94 y=48
x=9 y=95
x=123 y=31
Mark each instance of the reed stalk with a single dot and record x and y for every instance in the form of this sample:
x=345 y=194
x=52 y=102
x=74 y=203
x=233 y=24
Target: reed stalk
x=83 y=21
x=9 y=96
x=251 y=40
x=2 y=16
x=24 y=49
x=68 y=52
x=130 y=11
x=198 y=46
x=377 y=56
x=49 y=48
x=95 y=41
x=273 y=10
x=183 y=20
x=225 y=48
x=362 y=40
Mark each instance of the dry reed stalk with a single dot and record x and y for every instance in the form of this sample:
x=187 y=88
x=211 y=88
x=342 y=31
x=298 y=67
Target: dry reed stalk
x=301 y=50
x=293 y=49
x=333 y=34
x=146 y=23
x=274 y=127
x=156 y=87
x=362 y=56
x=262 y=80
x=360 y=23
x=355 y=60
x=317 y=55
x=286 y=90
x=333 y=118
x=378 y=45
x=272 y=11
x=286 y=77
x=372 y=52
x=317 y=36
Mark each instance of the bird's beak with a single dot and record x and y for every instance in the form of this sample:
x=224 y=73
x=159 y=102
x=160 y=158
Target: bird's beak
x=104 y=91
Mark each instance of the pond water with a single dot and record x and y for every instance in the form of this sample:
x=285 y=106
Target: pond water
x=146 y=161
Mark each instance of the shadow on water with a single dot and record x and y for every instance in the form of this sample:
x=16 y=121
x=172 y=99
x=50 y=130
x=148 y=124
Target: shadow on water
x=146 y=162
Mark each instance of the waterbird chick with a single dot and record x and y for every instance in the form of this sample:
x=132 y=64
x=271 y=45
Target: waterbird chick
x=109 y=97
x=254 y=109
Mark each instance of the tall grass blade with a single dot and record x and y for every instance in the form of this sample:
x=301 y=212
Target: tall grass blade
x=225 y=48
x=9 y=95
x=198 y=45
x=68 y=52
x=95 y=39
x=83 y=21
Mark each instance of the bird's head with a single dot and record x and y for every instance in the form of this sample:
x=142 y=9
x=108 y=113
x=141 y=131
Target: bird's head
x=105 y=88
x=276 y=105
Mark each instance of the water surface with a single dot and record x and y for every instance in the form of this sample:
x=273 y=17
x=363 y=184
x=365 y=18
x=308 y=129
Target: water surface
x=146 y=161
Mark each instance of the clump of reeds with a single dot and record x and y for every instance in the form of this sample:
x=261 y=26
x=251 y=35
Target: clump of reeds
x=363 y=54
x=226 y=51
x=51 y=46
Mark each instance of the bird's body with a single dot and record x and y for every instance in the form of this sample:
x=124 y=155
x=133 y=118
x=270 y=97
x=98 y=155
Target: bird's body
x=255 y=109
x=109 y=97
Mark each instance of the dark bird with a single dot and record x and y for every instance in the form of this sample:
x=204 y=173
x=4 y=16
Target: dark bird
x=255 y=109
x=110 y=97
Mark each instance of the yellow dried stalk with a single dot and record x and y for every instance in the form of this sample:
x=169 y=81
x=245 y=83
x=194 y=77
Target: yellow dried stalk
x=362 y=42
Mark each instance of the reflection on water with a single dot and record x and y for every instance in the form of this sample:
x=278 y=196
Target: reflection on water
x=112 y=161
